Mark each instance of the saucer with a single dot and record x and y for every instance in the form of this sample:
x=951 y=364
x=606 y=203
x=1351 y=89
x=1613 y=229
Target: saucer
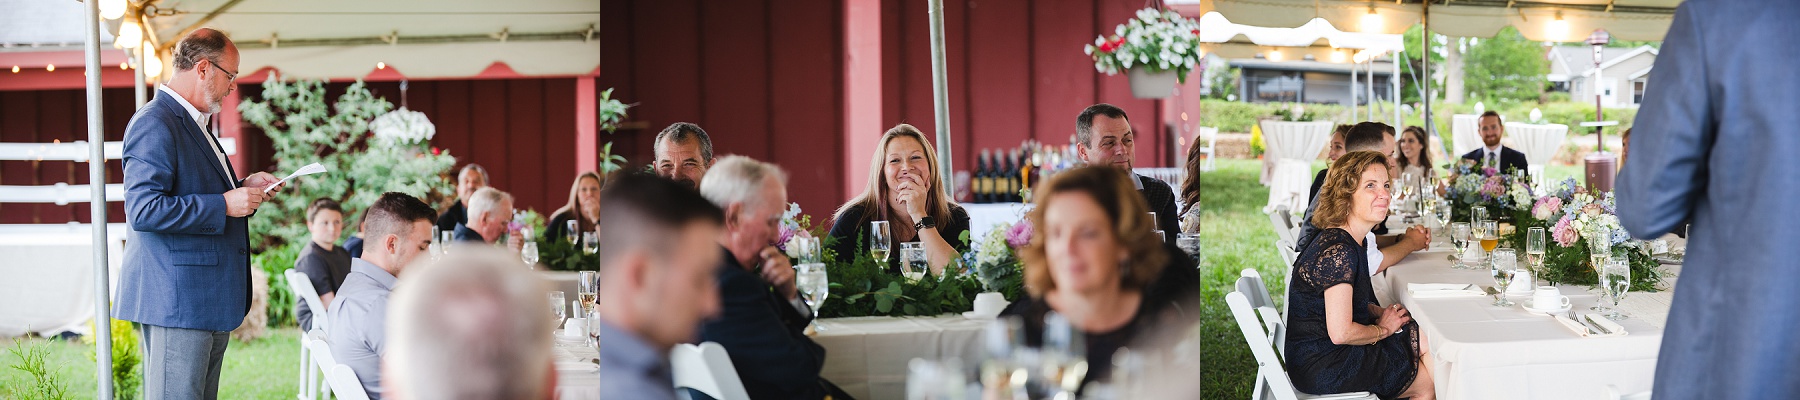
x=1528 y=307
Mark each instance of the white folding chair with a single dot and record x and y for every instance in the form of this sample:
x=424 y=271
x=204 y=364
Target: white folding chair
x=1272 y=379
x=1279 y=221
x=1251 y=285
x=299 y=284
x=341 y=379
x=708 y=369
x=1210 y=136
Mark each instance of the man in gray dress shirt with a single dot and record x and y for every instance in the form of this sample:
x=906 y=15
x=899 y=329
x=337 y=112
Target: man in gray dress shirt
x=1714 y=144
x=657 y=280
x=398 y=230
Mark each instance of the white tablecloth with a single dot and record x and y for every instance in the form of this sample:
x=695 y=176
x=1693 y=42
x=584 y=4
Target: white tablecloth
x=577 y=378
x=1293 y=146
x=47 y=280
x=1486 y=352
x=1465 y=134
x=867 y=356
x=1538 y=142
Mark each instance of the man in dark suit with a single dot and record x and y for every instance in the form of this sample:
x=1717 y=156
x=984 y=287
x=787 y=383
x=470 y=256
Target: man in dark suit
x=1714 y=144
x=1494 y=155
x=471 y=178
x=186 y=278
x=763 y=322
x=1104 y=136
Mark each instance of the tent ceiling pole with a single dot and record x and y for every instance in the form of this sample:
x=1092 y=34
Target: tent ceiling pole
x=940 y=96
x=97 y=208
x=1425 y=58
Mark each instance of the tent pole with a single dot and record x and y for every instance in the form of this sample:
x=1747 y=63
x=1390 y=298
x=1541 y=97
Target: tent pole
x=1425 y=58
x=137 y=74
x=940 y=96
x=1394 y=91
x=97 y=206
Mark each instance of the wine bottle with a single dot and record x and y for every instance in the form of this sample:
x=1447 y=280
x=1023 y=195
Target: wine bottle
x=979 y=181
x=1009 y=190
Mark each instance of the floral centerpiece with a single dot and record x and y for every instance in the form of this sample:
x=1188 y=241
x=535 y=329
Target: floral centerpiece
x=995 y=260
x=1571 y=217
x=1502 y=194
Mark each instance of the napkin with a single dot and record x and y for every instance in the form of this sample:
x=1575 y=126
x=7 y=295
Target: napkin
x=1583 y=330
x=1441 y=290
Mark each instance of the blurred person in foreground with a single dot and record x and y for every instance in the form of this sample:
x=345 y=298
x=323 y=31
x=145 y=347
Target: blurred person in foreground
x=1712 y=144
x=399 y=230
x=461 y=330
x=763 y=322
x=1095 y=259
x=657 y=280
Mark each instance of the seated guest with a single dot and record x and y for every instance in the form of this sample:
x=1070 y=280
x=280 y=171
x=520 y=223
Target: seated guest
x=1339 y=339
x=1415 y=154
x=459 y=332
x=355 y=242
x=1103 y=136
x=657 y=281
x=472 y=177
x=489 y=211
x=1624 y=144
x=763 y=322
x=583 y=208
x=903 y=189
x=683 y=153
x=1096 y=261
x=324 y=263
x=1378 y=137
x=1493 y=155
x=1190 y=192
x=399 y=231
x=1337 y=150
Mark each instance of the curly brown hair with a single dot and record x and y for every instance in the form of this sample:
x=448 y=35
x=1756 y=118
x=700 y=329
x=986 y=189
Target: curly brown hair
x=1334 y=203
x=1124 y=207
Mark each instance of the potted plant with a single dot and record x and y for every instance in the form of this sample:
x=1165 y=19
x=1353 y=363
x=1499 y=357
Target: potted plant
x=1158 y=49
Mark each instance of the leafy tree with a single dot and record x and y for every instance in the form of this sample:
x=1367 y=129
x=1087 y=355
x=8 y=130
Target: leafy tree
x=1506 y=67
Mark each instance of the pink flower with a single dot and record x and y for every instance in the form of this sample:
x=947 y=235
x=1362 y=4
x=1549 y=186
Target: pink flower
x=1020 y=234
x=1564 y=234
x=781 y=241
x=1546 y=207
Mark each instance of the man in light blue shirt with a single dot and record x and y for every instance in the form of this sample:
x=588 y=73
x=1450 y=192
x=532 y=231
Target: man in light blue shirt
x=657 y=280
x=398 y=230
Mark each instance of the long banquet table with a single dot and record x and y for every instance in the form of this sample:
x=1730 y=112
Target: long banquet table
x=868 y=356
x=1485 y=352
x=577 y=378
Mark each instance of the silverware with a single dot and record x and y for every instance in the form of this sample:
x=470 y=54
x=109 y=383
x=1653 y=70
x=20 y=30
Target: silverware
x=1601 y=328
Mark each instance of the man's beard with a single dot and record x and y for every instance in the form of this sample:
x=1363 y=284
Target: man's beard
x=206 y=96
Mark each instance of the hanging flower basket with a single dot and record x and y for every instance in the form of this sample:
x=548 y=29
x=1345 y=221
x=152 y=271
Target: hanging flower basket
x=1158 y=49
x=403 y=127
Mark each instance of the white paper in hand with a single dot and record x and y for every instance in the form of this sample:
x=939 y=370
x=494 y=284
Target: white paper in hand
x=309 y=169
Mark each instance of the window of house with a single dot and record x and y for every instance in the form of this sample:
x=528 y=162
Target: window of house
x=1637 y=92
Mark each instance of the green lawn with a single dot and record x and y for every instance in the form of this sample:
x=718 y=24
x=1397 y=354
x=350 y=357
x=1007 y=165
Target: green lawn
x=267 y=368
x=1235 y=235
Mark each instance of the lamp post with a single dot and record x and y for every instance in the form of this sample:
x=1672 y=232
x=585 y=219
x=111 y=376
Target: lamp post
x=1601 y=165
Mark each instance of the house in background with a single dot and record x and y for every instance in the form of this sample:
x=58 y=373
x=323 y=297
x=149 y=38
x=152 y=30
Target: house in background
x=1623 y=73
x=1309 y=81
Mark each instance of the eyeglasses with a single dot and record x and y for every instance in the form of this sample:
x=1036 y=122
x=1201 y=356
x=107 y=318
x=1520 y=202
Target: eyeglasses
x=229 y=76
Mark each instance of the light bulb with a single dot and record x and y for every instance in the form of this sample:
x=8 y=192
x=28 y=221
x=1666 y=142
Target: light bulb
x=1557 y=29
x=1274 y=55
x=50 y=68
x=152 y=65
x=112 y=9
x=1371 y=22
x=130 y=35
x=1337 y=56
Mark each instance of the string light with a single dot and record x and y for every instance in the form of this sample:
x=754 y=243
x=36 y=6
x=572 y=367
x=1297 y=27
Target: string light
x=1557 y=29
x=1274 y=55
x=50 y=68
x=15 y=69
x=125 y=66
x=112 y=9
x=1337 y=56
x=130 y=35
x=380 y=65
x=1371 y=22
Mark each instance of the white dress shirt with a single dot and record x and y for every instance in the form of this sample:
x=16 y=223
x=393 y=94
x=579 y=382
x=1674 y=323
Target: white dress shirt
x=200 y=120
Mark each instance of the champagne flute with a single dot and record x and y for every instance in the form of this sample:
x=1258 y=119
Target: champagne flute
x=590 y=242
x=813 y=282
x=879 y=235
x=913 y=263
x=444 y=240
x=1478 y=214
x=1459 y=237
x=529 y=253
x=589 y=293
x=1534 y=254
x=1443 y=212
x=573 y=232
x=1503 y=268
x=1616 y=277
x=1599 y=251
x=557 y=303
x=1408 y=186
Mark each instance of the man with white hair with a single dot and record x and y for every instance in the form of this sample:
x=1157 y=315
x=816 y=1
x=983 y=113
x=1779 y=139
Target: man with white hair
x=489 y=211
x=764 y=322
x=656 y=280
x=459 y=332
x=398 y=227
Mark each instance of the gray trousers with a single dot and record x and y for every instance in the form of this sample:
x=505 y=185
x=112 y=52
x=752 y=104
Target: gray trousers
x=182 y=363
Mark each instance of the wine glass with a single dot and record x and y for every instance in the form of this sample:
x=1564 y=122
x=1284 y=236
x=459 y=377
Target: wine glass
x=815 y=284
x=557 y=302
x=1443 y=212
x=913 y=263
x=1616 y=278
x=573 y=232
x=1487 y=231
x=879 y=235
x=590 y=242
x=529 y=253
x=1503 y=267
x=444 y=240
x=1599 y=251
x=1408 y=186
x=593 y=327
x=1459 y=237
x=589 y=287
x=1478 y=214
x=1534 y=253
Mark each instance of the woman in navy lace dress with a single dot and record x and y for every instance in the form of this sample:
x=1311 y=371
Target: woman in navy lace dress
x=1339 y=339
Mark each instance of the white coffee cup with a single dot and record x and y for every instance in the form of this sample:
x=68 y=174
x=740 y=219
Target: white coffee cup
x=989 y=303
x=1549 y=298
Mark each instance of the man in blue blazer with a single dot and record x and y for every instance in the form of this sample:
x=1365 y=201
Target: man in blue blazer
x=1494 y=155
x=186 y=279
x=1714 y=143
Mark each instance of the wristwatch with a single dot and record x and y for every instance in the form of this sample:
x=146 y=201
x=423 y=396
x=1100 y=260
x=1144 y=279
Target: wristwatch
x=925 y=223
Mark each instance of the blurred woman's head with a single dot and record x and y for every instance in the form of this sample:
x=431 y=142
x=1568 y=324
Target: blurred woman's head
x=1094 y=234
x=1356 y=190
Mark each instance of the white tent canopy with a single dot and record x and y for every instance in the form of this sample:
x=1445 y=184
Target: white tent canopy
x=1624 y=19
x=418 y=38
x=1215 y=28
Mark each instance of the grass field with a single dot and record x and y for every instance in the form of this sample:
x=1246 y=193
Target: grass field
x=1234 y=235
x=268 y=368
